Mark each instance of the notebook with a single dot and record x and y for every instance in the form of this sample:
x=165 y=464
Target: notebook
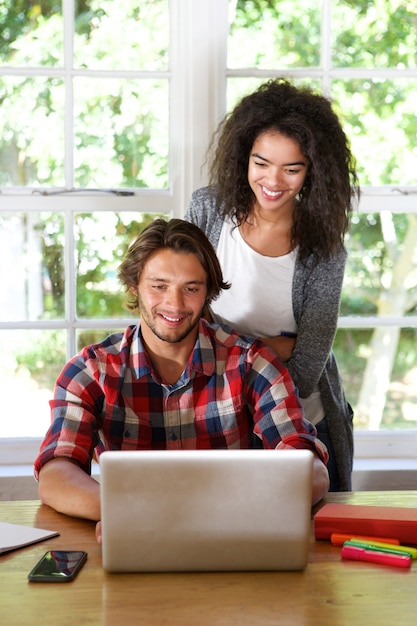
x=14 y=536
x=205 y=510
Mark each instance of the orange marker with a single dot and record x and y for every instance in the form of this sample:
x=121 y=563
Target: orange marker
x=338 y=539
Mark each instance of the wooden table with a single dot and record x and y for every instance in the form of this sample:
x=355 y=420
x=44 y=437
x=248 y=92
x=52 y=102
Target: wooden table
x=329 y=591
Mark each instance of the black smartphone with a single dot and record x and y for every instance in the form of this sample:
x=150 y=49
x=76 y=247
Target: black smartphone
x=59 y=566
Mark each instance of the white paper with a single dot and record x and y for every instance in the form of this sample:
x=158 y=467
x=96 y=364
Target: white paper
x=13 y=536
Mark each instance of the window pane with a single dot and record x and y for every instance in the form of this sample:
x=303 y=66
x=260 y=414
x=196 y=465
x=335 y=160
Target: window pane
x=128 y=35
x=88 y=337
x=33 y=245
x=379 y=118
x=379 y=369
x=381 y=270
x=31 y=33
x=30 y=361
x=32 y=131
x=123 y=125
x=101 y=241
x=274 y=34
x=374 y=34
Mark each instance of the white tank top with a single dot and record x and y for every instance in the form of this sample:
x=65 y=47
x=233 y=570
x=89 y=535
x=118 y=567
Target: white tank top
x=259 y=302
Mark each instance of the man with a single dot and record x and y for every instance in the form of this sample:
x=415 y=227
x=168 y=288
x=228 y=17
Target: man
x=171 y=381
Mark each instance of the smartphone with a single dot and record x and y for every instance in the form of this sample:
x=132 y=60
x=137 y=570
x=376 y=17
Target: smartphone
x=58 y=566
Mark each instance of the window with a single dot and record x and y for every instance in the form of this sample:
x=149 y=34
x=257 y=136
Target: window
x=85 y=89
x=107 y=110
x=99 y=135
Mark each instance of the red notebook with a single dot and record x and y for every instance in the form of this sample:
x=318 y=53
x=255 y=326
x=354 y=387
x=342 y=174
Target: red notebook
x=375 y=521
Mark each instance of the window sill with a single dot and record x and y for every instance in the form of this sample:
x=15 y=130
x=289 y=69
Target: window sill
x=384 y=474
x=384 y=460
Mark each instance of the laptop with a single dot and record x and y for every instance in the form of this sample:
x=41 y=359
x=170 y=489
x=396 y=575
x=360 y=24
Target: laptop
x=205 y=510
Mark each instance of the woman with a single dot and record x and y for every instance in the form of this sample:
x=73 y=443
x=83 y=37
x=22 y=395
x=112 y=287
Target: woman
x=282 y=184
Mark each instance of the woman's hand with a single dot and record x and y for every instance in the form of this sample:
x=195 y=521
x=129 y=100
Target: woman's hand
x=282 y=346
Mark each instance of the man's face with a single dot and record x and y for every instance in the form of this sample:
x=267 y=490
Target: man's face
x=172 y=292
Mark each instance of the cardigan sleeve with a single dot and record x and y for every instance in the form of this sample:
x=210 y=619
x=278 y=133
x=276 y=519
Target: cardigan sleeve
x=316 y=301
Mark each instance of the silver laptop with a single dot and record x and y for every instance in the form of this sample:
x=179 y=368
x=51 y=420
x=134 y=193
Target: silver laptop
x=205 y=510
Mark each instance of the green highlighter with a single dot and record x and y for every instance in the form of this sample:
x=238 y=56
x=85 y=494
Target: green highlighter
x=379 y=546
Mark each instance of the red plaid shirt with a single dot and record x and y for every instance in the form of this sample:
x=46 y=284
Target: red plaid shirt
x=233 y=393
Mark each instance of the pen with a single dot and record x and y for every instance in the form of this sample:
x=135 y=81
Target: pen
x=355 y=553
x=287 y=333
x=383 y=547
x=338 y=539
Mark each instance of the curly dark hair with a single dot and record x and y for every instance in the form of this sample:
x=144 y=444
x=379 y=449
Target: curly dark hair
x=323 y=210
x=179 y=236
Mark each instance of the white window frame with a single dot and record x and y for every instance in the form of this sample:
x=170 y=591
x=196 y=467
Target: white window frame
x=198 y=76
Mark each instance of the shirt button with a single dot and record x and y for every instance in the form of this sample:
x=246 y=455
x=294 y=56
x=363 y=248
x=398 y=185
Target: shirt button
x=174 y=437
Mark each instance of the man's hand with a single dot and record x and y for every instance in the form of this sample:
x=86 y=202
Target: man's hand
x=321 y=480
x=98 y=532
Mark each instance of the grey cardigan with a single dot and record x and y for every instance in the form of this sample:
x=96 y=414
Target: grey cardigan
x=316 y=295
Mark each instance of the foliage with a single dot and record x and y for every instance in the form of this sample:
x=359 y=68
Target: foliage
x=377 y=113
x=282 y=34
x=351 y=350
x=43 y=357
x=369 y=264
x=121 y=122
x=19 y=17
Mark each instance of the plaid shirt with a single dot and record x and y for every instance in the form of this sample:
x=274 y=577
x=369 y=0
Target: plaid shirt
x=233 y=393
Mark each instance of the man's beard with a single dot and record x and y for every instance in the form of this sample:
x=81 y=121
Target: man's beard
x=150 y=322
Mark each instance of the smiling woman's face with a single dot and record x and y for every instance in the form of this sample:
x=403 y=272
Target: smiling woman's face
x=276 y=172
